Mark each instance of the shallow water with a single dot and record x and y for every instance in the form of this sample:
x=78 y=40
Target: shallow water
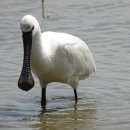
x=104 y=98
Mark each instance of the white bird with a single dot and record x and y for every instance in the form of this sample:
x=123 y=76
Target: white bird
x=53 y=57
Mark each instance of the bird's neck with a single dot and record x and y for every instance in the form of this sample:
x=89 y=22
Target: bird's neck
x=37 y=45
x=38 y=55
x=38 y=48
x=37 y=41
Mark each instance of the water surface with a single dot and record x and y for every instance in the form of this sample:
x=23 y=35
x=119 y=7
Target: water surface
x=104 y=98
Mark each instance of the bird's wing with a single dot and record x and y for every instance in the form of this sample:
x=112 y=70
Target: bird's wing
x=72 y=52
x=80 y=57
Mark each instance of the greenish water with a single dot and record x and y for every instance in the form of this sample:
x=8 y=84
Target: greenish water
x=104 y=98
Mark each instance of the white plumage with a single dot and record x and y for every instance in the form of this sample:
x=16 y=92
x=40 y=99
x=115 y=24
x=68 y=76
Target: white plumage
x=58 y=57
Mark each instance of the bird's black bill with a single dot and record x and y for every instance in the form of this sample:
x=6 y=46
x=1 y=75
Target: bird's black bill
x=26 y=81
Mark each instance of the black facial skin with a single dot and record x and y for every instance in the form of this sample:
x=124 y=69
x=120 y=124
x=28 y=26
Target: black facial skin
x=26 y=81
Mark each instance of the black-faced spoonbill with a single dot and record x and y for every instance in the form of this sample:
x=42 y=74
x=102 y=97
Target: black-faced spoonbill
x=53 y=57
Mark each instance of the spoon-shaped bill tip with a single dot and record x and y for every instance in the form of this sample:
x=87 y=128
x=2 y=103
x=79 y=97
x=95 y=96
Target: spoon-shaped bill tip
x=26 y=84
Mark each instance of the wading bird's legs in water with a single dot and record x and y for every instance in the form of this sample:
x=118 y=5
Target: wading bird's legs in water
x=43 y=93
x=76 y=99
x=43 y=97
x=75 y=94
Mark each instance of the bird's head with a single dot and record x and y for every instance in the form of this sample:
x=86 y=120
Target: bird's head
x=29 y=23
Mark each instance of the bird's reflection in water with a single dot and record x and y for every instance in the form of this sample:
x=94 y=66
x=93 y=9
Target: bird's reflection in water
x=76 y=116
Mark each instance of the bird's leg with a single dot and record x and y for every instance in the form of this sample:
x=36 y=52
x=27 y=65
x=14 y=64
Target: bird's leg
x=43 y=97
x=75 y=94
